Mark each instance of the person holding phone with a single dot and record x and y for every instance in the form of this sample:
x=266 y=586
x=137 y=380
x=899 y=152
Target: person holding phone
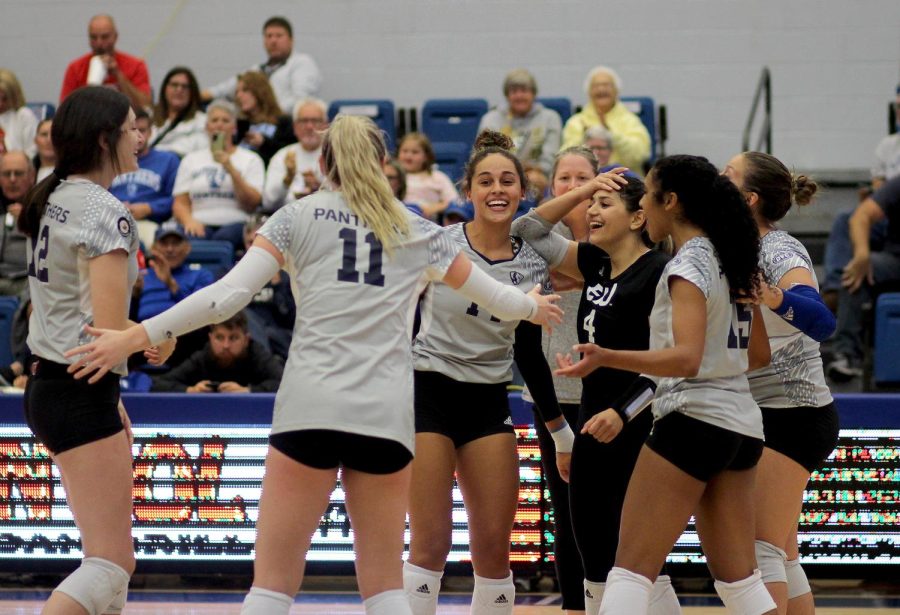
x=231 y=362
x=217 y=189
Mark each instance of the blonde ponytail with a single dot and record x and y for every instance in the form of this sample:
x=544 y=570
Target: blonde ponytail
x=353 y=149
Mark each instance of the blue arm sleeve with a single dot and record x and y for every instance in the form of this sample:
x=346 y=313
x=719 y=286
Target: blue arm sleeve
x=802 y=307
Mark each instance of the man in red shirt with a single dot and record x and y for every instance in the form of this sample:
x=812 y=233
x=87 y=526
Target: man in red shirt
x=124 y=72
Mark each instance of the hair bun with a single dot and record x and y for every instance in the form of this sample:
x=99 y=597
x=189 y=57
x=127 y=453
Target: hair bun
x=492 y=138
x=803 y=188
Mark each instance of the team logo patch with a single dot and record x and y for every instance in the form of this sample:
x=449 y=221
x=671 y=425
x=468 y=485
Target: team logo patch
x=516 y=277
x=124 y=226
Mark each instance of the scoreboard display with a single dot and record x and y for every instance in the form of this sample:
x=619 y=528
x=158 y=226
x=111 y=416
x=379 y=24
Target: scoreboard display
x=199 y=461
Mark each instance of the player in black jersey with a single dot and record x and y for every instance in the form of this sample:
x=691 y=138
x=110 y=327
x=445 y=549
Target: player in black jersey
x=620 y=271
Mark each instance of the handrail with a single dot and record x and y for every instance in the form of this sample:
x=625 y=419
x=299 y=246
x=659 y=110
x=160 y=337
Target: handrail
x=763 y=87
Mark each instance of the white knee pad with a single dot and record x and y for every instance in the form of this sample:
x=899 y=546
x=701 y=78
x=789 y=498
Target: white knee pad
x=422 y=588
x=391 y=602
x=770 y=562
x=626 y=592
x=593 y=596
x=493 y=596
x=746 y=597
x=663 y=600
x=261 y=601
x=95 y=585
x=797 y=582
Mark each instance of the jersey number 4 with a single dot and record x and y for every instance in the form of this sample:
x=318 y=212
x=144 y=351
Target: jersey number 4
x=37 y=266
x=739 y=334
x=348 y=271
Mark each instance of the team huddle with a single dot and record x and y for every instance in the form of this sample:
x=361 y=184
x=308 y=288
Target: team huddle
x=697 y=322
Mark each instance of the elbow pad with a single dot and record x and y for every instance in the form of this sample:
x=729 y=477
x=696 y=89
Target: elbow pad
x=504 y=302
x=217 y=301
x=802 y=307
x=539 y=234
x=635 y=399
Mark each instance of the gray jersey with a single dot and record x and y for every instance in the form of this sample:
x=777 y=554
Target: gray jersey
x=719 y=394
x=349 y=367
x=795 y=376
x=82 y=220
x=464 y=341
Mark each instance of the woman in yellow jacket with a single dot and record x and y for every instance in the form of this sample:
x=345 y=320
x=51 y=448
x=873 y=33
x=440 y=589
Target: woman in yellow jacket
x=631 y=141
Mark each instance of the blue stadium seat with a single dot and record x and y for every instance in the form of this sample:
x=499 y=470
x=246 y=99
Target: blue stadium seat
x=453 y=119
x=217 y=256
x=42 y=110
x=379 y=110
x=8 y=307
x=644 y=108
x=887 y=338
x=451 y=158
x=560 y=104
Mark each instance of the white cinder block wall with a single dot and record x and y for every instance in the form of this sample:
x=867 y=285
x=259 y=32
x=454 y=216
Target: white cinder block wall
x=835 y=64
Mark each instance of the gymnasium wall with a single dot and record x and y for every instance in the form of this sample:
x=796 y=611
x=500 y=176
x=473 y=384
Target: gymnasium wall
x=835 y=64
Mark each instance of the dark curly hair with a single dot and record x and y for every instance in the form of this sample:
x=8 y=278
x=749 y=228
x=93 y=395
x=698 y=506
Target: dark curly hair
x=713 y=203
x=492 y=142
x=775 y=186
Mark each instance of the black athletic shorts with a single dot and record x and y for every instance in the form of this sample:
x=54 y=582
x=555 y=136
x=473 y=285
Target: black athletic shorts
x=462 y=411
x=326 y=449
x=65 y=413
x=701 y=449
x=806 y=435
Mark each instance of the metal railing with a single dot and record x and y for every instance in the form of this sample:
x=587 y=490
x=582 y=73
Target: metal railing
x=763 y=91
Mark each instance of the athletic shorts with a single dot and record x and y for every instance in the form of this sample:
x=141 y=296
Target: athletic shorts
x=326 y=449
x=462 y=411
x=65 y=413
x=701 y=449
x=806 y=435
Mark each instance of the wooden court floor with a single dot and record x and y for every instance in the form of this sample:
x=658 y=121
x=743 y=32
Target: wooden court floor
x=203 y=603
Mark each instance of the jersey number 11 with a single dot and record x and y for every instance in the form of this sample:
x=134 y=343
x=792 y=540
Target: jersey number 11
x=348 y=271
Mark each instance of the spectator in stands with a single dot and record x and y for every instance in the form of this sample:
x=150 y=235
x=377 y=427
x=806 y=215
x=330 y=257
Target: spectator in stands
x=45 y=158
x=534 y=129
x=600 y=141
x=293 y=75
x=16 y=179
x=231 y=362
x=14 y=374
x=107 y=66
x=458 y=212
x=396 y=177
x=261 y=126
x=271 y=312
x=18 y=123
x=631 y=141
x=294 y=170
x=179 y=126
x=838 y=250
x=217 y=188
x=147 y=192
x=426 y=186
x=867 y=270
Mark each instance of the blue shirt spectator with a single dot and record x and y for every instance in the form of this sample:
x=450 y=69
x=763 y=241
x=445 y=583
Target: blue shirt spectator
x=168 y=279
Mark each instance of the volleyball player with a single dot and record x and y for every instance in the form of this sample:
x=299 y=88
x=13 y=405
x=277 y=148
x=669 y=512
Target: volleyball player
x=81 y=266
x=706 y=440
x=799 y=416
x=359 y=261
x=619 y=271
x=463 y=362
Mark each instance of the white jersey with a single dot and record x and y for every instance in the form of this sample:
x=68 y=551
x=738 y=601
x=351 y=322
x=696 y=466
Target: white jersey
x=214 y=201
x=350 y=366
x=81 y=221
x=795 y=376
x=464 y=341
x=719 y=394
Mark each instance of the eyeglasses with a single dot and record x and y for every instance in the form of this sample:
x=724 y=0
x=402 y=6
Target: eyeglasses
x=13 y=173
x=314 y=121
x=178 y=86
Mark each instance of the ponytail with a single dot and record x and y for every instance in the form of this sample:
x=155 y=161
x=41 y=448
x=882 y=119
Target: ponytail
x=714 y=204
x=353 y=149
